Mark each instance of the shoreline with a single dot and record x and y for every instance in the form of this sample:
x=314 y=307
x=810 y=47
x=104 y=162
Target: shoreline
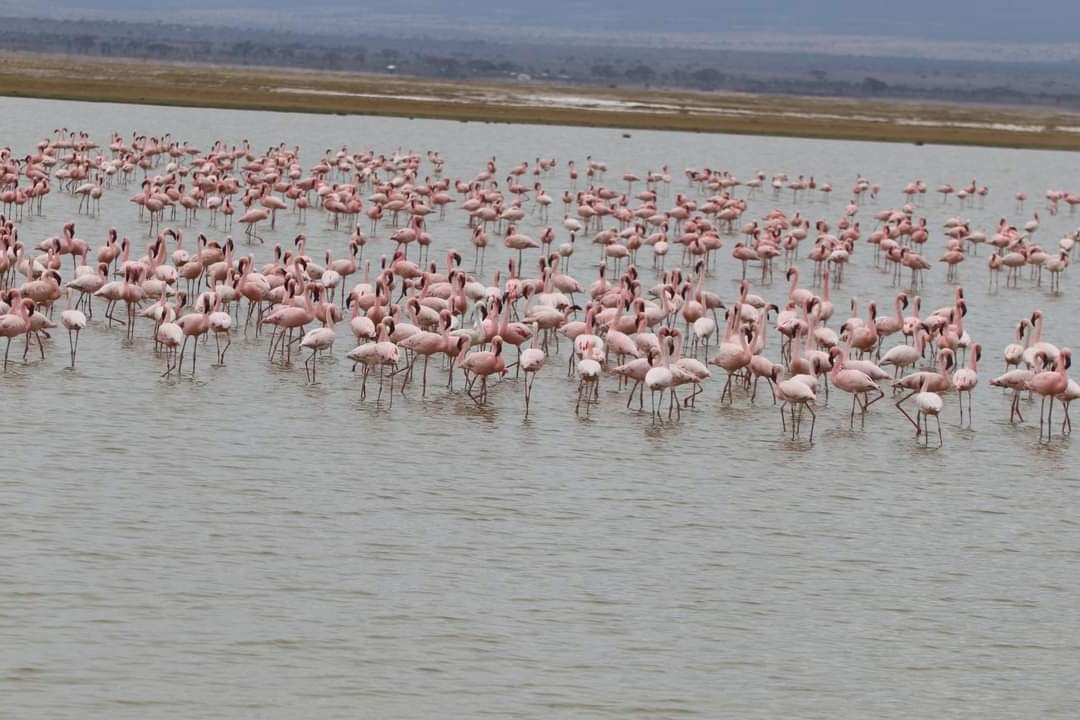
x=290 y=90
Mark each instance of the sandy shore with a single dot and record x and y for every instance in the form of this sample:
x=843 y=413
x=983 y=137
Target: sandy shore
x=25 y=75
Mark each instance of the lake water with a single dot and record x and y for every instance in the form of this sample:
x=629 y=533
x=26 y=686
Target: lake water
x=246 y=545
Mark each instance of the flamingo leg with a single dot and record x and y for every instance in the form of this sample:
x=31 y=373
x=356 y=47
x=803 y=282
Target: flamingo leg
x=1049 y=419
x=528 y=391
x=673 y=402
x=901 y=409
x=1016 y=407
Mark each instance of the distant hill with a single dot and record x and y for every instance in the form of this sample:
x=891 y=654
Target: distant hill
x=990 y=28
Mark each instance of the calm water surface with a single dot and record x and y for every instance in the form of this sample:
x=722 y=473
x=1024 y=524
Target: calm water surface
x=245 y=545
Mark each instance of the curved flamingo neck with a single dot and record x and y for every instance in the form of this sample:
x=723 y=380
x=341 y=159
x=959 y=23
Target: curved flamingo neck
x=678 y=346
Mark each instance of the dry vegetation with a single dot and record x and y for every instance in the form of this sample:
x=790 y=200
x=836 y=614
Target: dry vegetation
x=26 y=75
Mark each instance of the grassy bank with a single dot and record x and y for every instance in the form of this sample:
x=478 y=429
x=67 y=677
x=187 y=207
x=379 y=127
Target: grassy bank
x=79 y=78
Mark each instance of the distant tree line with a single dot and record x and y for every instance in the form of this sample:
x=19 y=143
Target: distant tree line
x=483 y=60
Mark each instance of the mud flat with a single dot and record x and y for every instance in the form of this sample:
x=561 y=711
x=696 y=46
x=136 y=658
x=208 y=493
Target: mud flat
x=131 y=81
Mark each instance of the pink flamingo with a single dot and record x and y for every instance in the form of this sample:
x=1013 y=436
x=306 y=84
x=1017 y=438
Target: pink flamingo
x=686 y=370
x=863 y=337
x=251 y=219
x=383 y=353
x=660 y=378
x=482 y=364
x=288 y=317
x=939 y=381
x=1049 y=383
x=636 y=370
x=270 y=202
x=425 y=343
x=1017 y=381
x=732 y=357
x=965 y=379
x=514 y=333
x=194 y=324
x=75 y=322
x=904 y=356
x=1071 y=393
x=928 y=403
x=317 y=340
x=131 y=293
x=531 y=360
x=227 y=210
x=220 y=323
x=87 y=285
x=855 y=382
x=792 y=393
x=15 y=322
x=170 y=336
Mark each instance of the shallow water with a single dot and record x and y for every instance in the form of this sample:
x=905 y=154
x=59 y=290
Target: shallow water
x=246 y=545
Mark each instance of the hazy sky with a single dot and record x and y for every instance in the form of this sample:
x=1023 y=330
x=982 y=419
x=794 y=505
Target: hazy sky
x=984 y=23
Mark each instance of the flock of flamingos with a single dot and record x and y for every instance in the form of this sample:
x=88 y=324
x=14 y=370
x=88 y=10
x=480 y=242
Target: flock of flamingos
x=638 y=314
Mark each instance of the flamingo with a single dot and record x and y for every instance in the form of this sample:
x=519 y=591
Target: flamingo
x=732 y=357
x=426 y=344
x=16 y=321
x=530 y=361
x=194 y=324
x=288 y=317
x=794 y=392
x=928 y=403
x=965 y=379
x=318 y=340
x=75 y=322
x=1071 y=392
x=855 y=382
x=686 y=370
x=170 y=336
x=1048 y=384
x=482 y=364
x=939 y=381
x=1016 y=380
x=383 y=353
x=658 y=379
x=251 y=219
x=220 y=324
x=588 y=370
